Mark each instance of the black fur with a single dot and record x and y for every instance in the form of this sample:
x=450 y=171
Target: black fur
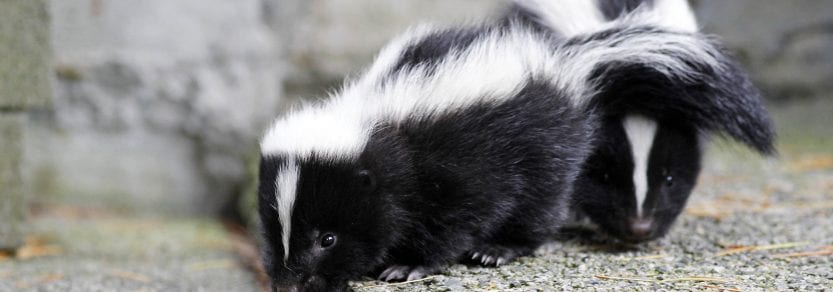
x=707 y=102
x=722 y=102
x=711 y=99
x=492 y=180
x=605 y=190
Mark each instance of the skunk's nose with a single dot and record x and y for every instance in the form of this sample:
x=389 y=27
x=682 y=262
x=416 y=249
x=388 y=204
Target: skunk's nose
x=641 y=228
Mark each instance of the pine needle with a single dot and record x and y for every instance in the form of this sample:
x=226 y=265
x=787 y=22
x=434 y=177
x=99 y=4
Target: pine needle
x=603 y=277
x=722 y=288
x=683 y=279
x=823 y=251
x=696 y=279
x=649 y=257
x=400 y=283
x=739 y=249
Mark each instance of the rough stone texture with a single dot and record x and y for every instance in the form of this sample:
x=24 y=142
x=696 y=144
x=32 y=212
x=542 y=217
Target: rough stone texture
x=24 y=83
x=785 y=44
x=330 y=39
x=156 y=103
x=24 y=51
x=11 y=192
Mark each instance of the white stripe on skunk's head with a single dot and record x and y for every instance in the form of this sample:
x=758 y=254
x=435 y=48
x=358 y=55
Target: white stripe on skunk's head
x=640 y=132
x=286 y=186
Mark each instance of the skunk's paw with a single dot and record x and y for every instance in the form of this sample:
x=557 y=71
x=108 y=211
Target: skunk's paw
x=405 y=273
x=492 y=255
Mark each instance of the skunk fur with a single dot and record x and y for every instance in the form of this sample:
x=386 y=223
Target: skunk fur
x=648 y=154
x=458 y=143
x=451 y=145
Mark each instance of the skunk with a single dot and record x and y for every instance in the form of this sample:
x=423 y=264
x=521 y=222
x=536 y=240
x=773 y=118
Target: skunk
x=456 y=143
x=648 y=155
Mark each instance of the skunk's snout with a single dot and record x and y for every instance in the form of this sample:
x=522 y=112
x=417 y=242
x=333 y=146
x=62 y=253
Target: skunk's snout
x=641 y=228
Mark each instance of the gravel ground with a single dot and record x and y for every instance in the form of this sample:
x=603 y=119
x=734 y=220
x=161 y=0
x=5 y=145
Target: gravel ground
x=752 y=224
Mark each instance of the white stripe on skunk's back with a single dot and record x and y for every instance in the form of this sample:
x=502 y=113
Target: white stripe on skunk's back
x=335 y=132
x=492 y=69
x=675 y=14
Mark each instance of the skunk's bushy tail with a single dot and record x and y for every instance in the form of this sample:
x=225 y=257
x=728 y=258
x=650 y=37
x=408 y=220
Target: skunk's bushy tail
x=646 y=57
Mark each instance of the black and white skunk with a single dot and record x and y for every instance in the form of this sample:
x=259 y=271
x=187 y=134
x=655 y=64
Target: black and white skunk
x=459 y=143
x=455 y=143
x=648 y=157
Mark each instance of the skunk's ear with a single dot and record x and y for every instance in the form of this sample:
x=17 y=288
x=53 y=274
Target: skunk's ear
x=682 y=76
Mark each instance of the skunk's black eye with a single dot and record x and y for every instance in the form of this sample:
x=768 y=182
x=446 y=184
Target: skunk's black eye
x=367 y=181
x=606 y=177
x=327 y=240
x=669 y=181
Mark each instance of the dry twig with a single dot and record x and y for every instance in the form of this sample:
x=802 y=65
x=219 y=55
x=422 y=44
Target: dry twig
x=400 y=283
x=719 y=288
x=739 y=249
x=823 y=251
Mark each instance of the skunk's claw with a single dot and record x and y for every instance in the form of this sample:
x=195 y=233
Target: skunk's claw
x=492 y=255
x=404 y=273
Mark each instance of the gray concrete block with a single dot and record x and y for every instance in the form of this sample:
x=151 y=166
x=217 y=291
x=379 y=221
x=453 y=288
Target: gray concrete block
x=155 y=104
x=11 y=192
x=24 y=47
x=785 y=45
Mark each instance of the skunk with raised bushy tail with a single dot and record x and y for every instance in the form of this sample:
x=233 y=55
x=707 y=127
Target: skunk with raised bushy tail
x=456 y=143
x=648 y=155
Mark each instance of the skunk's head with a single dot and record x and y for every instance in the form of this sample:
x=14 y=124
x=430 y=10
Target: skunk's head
x=330 y=216
x=640 y=176
x=648 y=155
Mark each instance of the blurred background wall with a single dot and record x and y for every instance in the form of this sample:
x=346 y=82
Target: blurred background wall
x=24 y=86
x=159 y=103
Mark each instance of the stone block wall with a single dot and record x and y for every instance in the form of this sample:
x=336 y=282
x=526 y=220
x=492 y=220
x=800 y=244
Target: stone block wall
x=157 y=104
x=24 y=85
x=786 y=45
